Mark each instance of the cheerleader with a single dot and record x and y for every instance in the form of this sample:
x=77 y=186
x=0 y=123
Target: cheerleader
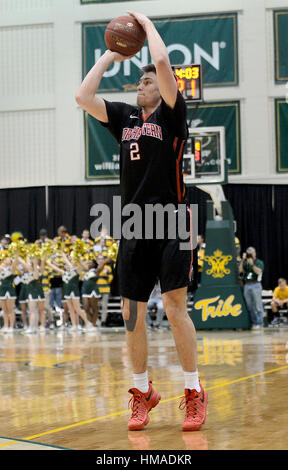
x=8 y=293
x=90 y=292
x=35 y=294
x=71 y=292
x=23 y=296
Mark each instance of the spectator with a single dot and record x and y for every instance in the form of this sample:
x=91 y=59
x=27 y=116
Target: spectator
x=56 y=283
x=8 y=293
x=64 y=238
x=238 y=248
x=201 y=253
x=70 y=277
x=86 y=238
x=62 y=232
x=35 y=294
x=103 y=243
x=73 y=240
x=155 y=301
x=16 y=236
x=280 y=299
x=46 y=285
x=5 y=242
x=104 y=280
x=252 y=269
x=23 y=294
x=90 y=292
x=43 y=237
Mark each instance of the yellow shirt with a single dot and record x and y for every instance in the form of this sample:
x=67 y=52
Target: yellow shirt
x=281 y=294
x=201 y=254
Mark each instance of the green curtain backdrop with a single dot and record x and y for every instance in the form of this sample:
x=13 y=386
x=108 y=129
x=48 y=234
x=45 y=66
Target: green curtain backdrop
x=281 y=45
x=281 y=120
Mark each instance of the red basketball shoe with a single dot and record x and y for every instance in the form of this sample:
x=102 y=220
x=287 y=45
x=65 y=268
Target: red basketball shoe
x=196 y=409
x=141 y=404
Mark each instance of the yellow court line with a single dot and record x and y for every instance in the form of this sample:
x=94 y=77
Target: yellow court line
x=118 y=413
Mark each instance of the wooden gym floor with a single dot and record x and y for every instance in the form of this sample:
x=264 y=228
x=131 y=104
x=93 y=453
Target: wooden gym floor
x=60 y=390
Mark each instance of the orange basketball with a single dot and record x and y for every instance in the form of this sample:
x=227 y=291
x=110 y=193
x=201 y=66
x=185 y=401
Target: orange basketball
x=124 y=35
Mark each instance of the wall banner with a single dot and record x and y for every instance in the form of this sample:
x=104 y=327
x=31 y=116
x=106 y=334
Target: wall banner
x=281 y=45
x=281 y=121
x=207 y=39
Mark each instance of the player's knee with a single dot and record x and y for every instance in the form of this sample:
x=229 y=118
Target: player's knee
x=174 y=314
x=125 y=310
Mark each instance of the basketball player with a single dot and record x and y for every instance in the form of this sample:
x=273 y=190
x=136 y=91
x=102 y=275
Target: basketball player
x=151 y=138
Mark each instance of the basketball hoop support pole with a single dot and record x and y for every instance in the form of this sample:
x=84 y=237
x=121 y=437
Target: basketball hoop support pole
x=217 y=195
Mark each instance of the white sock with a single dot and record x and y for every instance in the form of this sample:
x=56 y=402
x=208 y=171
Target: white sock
x=192 y=380
x=141 y=382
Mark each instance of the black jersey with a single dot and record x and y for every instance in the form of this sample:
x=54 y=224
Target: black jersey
x=151 y=151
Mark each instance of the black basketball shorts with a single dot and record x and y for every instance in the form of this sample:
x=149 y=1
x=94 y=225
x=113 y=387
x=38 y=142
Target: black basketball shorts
x=141 y=263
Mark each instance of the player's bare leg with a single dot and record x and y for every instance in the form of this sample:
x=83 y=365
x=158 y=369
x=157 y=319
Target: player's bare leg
x=182 y=326
x=144 y=397
x=134 y=314
x=195 y=400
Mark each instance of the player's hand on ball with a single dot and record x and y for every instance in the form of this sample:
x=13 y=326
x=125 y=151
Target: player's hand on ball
x=142 y=19
x=117 y=57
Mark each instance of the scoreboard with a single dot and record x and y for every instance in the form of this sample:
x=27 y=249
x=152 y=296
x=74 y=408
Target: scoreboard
x=189 y=81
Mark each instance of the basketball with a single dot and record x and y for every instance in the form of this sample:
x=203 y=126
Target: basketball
x=124 y=35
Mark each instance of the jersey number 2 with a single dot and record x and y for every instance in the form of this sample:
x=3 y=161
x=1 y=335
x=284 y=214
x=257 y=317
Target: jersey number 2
x=134 y=151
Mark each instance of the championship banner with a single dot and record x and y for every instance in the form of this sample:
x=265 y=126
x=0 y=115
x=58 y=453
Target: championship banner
x=102 y=151
x=281 y=45
x=207 y=39
x=281 y=120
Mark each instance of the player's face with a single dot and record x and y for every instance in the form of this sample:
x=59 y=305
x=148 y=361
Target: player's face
x=148 y=91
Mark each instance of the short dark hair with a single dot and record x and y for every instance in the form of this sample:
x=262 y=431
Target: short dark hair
x=62 y=228
x=149 y=68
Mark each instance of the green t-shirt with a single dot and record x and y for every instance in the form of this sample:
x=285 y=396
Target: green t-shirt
x=249 y=273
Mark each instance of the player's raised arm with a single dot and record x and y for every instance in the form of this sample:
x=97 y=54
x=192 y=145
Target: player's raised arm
x=166 y=81
x=86 y=97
